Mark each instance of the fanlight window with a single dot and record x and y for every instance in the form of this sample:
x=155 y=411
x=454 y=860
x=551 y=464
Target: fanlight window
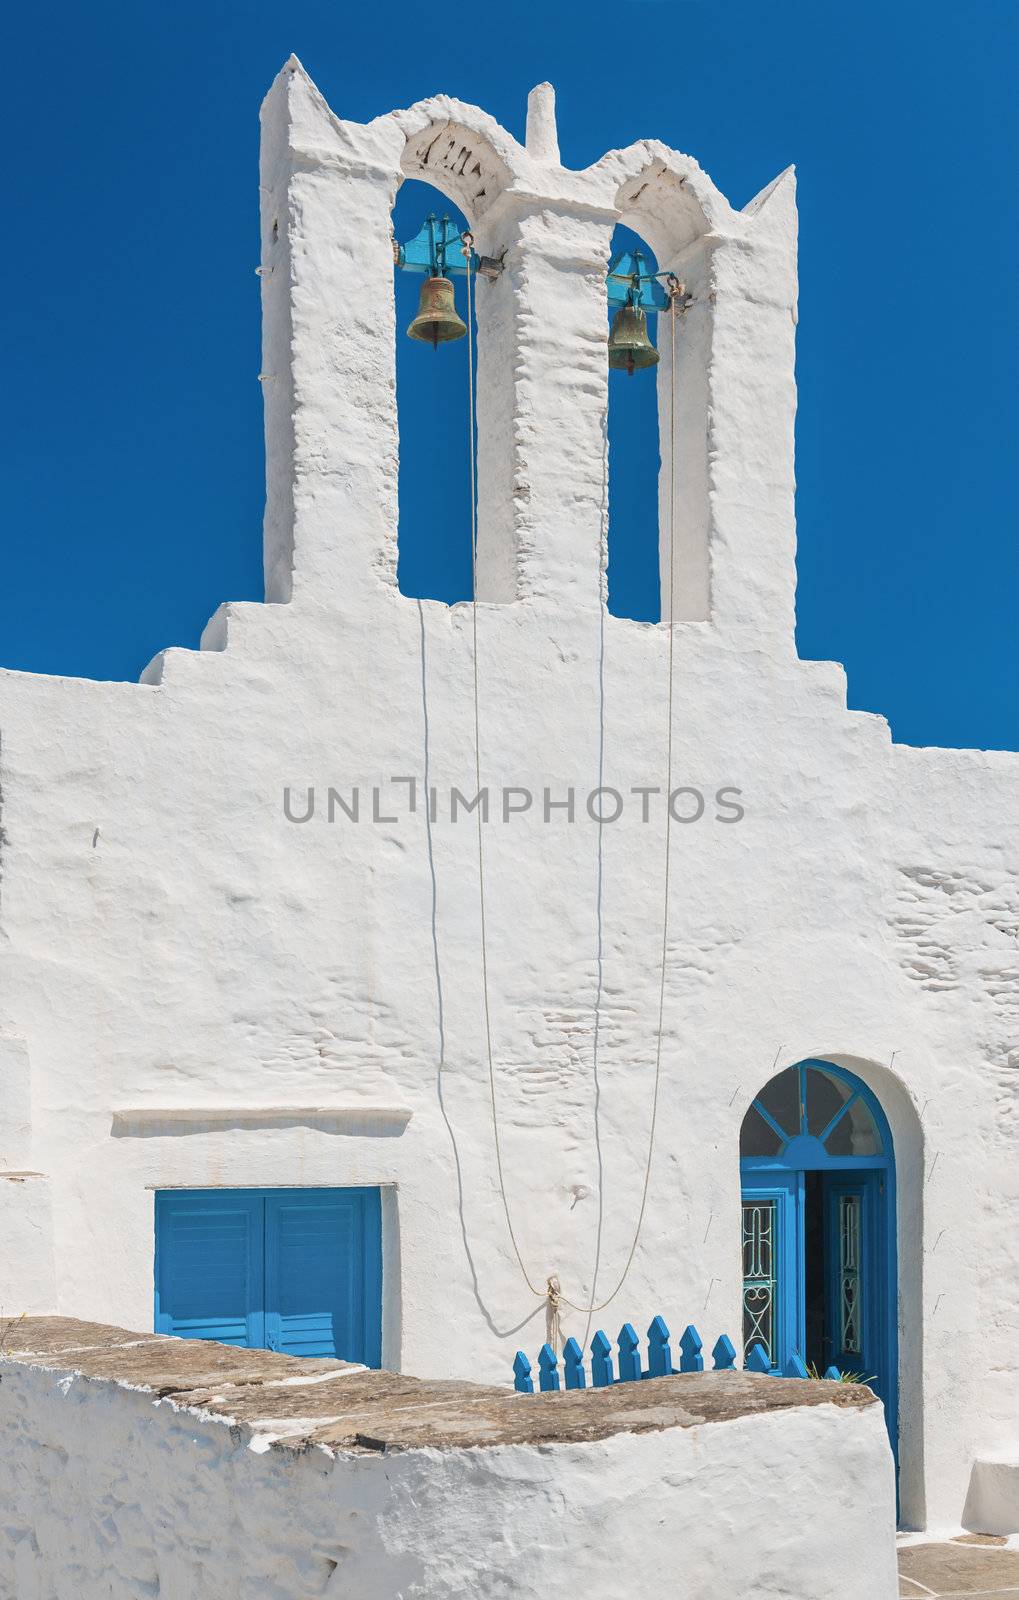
x=824 y=1114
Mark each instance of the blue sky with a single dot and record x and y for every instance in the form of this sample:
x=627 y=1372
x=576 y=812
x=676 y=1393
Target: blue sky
x=132 y=414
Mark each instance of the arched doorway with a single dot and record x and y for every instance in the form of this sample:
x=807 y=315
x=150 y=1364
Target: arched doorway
x=819 y=1259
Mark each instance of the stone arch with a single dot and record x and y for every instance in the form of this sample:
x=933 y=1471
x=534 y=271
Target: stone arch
x=465 y=155
x=660 y=201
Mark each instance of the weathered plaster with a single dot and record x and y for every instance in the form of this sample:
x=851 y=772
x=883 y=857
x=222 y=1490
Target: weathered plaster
x=210 y=994
x=118 y=1476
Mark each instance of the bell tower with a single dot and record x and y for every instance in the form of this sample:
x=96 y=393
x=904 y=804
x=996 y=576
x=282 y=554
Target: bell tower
x=726 y=413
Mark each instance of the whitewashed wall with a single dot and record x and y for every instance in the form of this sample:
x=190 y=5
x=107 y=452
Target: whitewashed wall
x=109 y=1493
x=197 y=991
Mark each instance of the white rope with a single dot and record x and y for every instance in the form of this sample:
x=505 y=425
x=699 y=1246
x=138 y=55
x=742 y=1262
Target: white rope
x=593 y=1307
x=552 y=1293
x=553 y=1320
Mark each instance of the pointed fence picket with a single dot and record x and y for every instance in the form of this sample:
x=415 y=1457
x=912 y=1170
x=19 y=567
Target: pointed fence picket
x=691 y=1359
x=548 y=1368
x=601 y=1361
x=659 y=1355
x=573 y=1365
x=629 y=1353
x=629 y=1367
x=724 y=1354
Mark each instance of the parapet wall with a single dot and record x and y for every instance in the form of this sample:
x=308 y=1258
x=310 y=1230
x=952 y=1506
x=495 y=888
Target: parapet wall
x=134 y=1465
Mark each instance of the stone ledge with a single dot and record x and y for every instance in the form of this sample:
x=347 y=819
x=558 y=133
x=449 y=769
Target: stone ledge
x=340 y=1406
x=352 y=1117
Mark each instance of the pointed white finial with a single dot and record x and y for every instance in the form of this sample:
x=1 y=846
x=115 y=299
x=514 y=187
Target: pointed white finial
x=542 y=137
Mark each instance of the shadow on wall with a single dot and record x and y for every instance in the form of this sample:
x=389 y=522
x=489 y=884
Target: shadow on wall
x=380 y=1122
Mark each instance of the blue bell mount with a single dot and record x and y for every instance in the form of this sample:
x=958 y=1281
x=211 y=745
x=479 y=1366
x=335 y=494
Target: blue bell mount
x=437 y=250
x=629 y=283
x=440 y=249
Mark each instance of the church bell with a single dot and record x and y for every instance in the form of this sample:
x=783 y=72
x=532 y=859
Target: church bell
x=629 y=345
x=437 y=320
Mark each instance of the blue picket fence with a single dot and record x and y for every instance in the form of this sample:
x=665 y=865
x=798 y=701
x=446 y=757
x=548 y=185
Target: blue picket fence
x=628 y=1365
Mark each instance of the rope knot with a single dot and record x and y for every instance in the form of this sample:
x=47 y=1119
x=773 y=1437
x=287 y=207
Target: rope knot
x=553 y=1321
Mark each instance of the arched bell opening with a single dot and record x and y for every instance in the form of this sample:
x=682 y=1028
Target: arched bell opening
x=432 y=393
x=633 y=423
x=666 y=205
x=819 y=1240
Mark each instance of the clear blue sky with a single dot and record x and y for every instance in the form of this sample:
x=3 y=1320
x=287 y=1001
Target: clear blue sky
x=132 y=415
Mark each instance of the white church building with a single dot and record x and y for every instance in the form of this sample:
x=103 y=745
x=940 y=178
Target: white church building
x=383 y=963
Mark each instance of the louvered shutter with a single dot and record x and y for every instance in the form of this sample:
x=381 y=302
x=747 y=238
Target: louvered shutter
x=323 y=1273
x=210 y=1265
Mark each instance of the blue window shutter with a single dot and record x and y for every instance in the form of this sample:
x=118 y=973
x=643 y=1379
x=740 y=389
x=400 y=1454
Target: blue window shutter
x=210 y=1265
x=324 y=1273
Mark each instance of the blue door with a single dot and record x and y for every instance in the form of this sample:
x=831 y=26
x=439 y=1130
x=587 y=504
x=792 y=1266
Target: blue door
x=854 y=1206
x=771 y=1301
x=819 y=1258
x=296 y=1270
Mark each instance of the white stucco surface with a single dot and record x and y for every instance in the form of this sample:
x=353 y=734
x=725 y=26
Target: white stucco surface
x=197 y=991
x=992 y=1505
x=108 y=1494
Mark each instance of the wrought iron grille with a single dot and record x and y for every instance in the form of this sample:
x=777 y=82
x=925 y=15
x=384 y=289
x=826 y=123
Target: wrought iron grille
x=759 y=1275
x=849 y=1272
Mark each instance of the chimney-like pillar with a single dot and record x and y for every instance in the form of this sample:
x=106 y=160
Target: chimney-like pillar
x=542 y=133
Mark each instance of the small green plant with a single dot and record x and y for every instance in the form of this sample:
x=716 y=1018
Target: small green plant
x=813 y=1371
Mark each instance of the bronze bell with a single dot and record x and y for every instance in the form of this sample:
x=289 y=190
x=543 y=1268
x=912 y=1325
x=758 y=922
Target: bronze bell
x=629 y=345
x=437 y=320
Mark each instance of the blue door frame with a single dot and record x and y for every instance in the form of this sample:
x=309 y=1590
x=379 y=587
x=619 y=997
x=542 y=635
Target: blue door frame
x=867 y=1182
x=294 y=1270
